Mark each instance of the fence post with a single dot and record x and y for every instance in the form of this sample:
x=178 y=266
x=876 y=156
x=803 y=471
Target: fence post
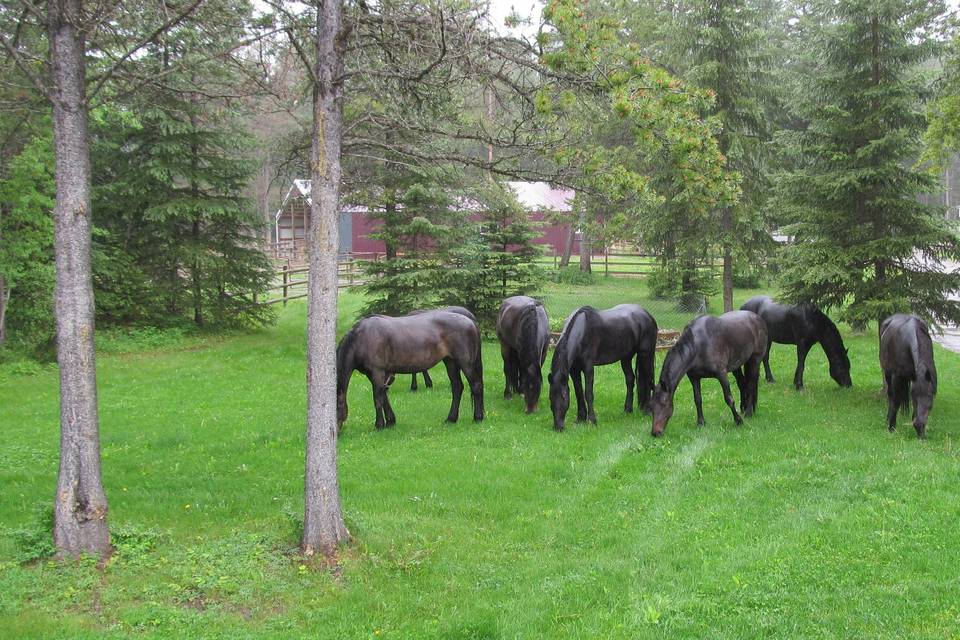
x=286 y=282
x=606 y=261
x=350 y=265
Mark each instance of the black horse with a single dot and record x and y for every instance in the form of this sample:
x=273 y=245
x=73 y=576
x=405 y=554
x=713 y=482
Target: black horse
x=906 y=357
x=712 y=347
x=592 y=337
x=524 y=333
x=427 y=380
x=803 y=325
x=381 y=346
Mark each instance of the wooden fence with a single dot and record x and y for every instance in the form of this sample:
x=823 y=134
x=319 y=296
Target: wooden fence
x=622 y=264
x=291 y=280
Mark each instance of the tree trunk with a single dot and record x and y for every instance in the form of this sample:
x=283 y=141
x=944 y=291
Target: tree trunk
x=584 y=244
x=585 y=253
x=568 y=247
x=727 y=224
x=323 y=527
x=80 y=510
x=195 y=275
x=4 y=299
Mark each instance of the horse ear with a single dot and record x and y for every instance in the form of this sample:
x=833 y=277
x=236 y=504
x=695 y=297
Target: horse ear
x=847 y=350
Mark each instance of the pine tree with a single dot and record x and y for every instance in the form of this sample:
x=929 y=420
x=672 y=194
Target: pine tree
x=423 y=226
x=499 y=257
x=864 y=242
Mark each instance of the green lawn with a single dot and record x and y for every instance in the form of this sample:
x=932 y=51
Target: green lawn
x=809 y=521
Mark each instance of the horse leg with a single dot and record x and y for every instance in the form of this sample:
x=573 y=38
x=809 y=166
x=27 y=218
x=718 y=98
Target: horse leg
x=892 y=407
x=742 y=387
x=389 y=416
x=427 y=380
x=456 y=388
x=766 y=362
x=645 y=386
x=378 y=381
x=627 y=365
x=752 y=372
x=803 y=348
x=413 y=382
x=697 y=398
x=588 y=393
x=578 y=390
x=728 y=397
x=474 y=374
x=508 y=367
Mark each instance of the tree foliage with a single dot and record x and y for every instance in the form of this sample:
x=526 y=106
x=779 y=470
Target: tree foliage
x=864 y=243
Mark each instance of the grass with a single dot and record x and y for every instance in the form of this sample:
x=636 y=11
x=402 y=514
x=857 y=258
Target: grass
x=809 y=521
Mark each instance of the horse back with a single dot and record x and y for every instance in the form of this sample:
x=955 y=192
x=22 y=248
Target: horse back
x=738 y=336
x=408 y=344
x=905 y=345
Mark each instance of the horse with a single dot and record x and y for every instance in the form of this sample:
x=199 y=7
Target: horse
x=906 y=357
x=591 y=337
x=524 y=333
x=381 y=346
x=427 y=380
x=712 y=347
x=803 y=325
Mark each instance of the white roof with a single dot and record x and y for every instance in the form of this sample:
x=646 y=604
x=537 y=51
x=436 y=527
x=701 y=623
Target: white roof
x=538 y=196
x=533 y=196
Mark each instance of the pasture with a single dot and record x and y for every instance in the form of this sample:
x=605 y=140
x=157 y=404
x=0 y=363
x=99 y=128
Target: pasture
x=810 y=520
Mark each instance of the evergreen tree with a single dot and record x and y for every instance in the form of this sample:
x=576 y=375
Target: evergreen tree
x=423 y=227
x=498 y=259
x=864 y=242
x=26 y=246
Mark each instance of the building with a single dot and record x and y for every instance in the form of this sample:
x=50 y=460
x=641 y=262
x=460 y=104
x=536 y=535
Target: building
x=357 y=223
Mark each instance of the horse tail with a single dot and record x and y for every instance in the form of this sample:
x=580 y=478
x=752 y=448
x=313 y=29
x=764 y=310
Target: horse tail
x=528 y=350
x=921 y=349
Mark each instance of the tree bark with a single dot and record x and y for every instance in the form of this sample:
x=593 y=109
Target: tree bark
x=4 y=299
x=584 y=244
x=323 y=526
x=80 y=509
x=568 y=247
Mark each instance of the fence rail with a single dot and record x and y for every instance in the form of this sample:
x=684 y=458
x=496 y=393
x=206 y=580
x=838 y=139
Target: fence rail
x=291 y=278
x=291 y=282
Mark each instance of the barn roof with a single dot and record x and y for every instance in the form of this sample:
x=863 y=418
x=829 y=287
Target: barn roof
x=533 y=196
x=537 y=196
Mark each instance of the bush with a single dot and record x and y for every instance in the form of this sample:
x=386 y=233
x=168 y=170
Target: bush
x=572 y=275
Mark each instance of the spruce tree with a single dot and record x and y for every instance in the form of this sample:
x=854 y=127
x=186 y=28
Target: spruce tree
x=864 y=242
x=423 y=227
x=498 y=259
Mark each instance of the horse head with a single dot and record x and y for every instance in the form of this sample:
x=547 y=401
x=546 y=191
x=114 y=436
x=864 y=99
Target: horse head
x=559 y=397
x=662 y=406
x=531 y=383
x=840 y=368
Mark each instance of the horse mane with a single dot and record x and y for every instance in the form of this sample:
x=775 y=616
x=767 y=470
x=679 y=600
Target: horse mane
x=560 y=356
x=529 y=352
x=826 y=328
x=345 y=356
x=678 y=354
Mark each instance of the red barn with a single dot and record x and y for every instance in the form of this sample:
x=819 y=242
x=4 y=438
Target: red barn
x=357 y=223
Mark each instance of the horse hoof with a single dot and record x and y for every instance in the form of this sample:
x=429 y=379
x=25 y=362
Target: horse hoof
x=628 y=409
x=593 y=420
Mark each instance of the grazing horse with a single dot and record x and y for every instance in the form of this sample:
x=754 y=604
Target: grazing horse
x=803 y=325
x=381 y=346
x=427 y=381
x=906 y=357
x=712 y=347
x=591 y=338
x=524 y=333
